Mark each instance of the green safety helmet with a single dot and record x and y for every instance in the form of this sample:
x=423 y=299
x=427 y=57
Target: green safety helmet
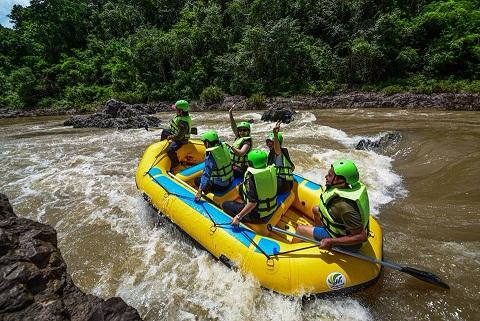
x=347 y=169
x=257 y=158
x=280 y=137
x=182 y=105
x=243 y=124
x=210 y=136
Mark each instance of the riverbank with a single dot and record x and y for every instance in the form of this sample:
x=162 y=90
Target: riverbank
x=446 y=101
x=35 y=283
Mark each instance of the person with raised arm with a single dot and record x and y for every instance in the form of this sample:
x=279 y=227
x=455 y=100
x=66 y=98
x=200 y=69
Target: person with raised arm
x=241 y=145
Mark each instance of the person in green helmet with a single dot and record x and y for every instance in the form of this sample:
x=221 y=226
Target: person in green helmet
x=179 y=131
x=279 y=157
x=341 y=218
x=258 y=192
x=218 y=173
x=241 y=145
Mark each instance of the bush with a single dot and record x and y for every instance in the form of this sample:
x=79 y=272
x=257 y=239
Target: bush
x=46 y=102
x=129 y=97
x=323 y=88
x=212 y=95
x=81 y=94
x=393 y=89
x=257 y=101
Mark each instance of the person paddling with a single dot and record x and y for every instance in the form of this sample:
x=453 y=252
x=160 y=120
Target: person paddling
x=179 y=131
x=342 y=216
x=279 y=157
x=241 y=146
x=218 y=173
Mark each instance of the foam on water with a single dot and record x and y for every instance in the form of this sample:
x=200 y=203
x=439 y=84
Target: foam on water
x=79 y=181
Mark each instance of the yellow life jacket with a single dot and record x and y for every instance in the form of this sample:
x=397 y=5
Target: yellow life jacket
x=174 y=123
x=266 y=185
x=240 y=161
x=223 y=162
x=357 y=193
x=285 y=171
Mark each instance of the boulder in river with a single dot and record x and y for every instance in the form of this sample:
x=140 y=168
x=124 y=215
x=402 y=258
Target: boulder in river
x=380 y=144
x=117 y=114
x=34 y=283
x=275 y=113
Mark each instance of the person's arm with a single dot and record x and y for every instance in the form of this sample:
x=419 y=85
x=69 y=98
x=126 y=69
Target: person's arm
x=357 y=236
x=242 y=151
x=317 y=221
x=246 y=209
x=182 y=131
x=232 y=121
x=252 y=200
x=276 y=142
x=353 y=223
x=207 y=172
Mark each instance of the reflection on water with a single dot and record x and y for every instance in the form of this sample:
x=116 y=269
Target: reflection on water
x=424 y=193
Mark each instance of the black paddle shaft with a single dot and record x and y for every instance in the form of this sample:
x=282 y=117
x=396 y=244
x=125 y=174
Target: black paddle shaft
x=419 y=274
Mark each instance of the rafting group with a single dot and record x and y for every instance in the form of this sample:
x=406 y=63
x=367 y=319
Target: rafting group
x=342 y=215
x=250 y=210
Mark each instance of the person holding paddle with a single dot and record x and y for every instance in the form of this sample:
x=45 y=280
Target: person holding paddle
x=341 y=218
x=179 y=131
x=279 y=157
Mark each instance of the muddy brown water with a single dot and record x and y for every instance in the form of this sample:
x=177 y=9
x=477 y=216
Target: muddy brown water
x=424 y=190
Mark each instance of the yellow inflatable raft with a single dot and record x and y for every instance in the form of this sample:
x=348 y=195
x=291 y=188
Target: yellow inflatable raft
x=271 y=257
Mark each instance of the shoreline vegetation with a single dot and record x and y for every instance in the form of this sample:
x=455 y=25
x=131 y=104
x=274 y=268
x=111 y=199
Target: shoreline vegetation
x=360 y=100
x=76 y=55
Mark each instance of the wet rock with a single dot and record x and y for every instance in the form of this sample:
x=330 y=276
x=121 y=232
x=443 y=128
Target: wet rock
x=13 y=113
x=117 y=114
x=275 y=113
x=381 y=144
x=34 y=283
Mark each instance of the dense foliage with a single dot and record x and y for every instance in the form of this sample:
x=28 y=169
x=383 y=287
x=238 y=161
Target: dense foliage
x=66 y=53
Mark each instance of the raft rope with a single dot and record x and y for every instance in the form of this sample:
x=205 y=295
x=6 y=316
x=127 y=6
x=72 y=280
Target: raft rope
x=256 y=245
x=215 y=224
x=155 y=162
x=221 y=225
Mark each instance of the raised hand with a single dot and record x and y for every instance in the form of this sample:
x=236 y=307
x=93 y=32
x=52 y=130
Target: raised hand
x=276 y=129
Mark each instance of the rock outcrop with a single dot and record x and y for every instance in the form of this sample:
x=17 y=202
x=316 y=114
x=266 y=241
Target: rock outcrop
x=34 y=283
x=285 y=114
x=117 y=114
x=380 y=145
x=378 y=100
x=446 y=101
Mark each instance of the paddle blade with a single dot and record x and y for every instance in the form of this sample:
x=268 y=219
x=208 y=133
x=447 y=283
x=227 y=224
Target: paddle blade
x=425 y=276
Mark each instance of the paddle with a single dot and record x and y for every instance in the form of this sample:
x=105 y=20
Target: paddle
x=419 y=274
x=193 y=130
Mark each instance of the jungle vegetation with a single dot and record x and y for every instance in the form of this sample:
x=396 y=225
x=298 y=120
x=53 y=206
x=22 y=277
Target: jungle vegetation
x=70 y=53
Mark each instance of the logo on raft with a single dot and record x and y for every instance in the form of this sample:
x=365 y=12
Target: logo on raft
x=336 y=280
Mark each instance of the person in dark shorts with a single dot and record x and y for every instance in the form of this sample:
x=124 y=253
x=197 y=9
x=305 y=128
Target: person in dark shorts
x=218 y=173
x=258 y=192
x=179 y=131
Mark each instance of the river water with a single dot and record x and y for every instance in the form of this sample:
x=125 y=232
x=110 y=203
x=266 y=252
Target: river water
x=424 y=190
